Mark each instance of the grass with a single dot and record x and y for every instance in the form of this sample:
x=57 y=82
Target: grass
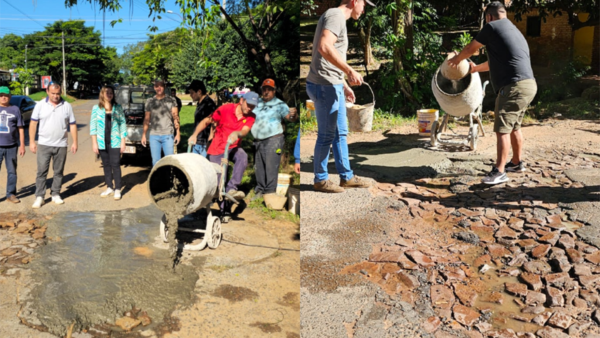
x=186 y=119
x=259 y=206
x=578 y=108
x=42 y=95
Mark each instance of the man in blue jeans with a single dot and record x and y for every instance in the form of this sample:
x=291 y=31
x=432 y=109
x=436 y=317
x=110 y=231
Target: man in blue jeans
x=326 y=86
x=12 y=141
x=162 y=118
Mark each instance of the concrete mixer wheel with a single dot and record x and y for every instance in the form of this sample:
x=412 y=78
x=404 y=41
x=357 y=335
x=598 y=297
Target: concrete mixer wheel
x=164 y=229
x=213 y=232
x=473 y=139
x=434 y=130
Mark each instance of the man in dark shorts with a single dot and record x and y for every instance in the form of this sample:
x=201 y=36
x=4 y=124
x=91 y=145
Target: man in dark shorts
x=205 y=106
x=512 y=79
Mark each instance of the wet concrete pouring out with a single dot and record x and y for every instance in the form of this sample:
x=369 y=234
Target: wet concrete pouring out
x=513 y=260
x=99 y=266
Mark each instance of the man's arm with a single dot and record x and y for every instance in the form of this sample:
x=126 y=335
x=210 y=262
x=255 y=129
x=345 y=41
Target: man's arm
x=199 y=128
x=234 y=136
x=73 y=127
x=175 y=113
x=146 y=124
x=292 y=116
x=328 y=51
x=22 y=141
x=482 y=67
x=32 y=129
x=469 y=50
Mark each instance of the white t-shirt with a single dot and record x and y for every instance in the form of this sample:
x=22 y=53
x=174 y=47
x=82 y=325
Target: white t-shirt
x=53 y=122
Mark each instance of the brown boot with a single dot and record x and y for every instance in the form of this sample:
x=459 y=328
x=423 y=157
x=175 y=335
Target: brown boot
x=13 y=199
x=328 y=186
x=355 y=182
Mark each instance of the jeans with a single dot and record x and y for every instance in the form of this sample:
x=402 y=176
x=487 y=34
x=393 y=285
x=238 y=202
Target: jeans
x=200 y=149
x=158 y=143
x=10 y=155
x=240 y=161
x=111 y=163
x=267 y=161
x=330 y=109
x=58 y=155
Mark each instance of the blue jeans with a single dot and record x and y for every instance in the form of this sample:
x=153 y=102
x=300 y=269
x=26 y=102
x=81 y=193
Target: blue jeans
x=330 y=109
x=200 y=149
x=158 y=143
x=10 y=155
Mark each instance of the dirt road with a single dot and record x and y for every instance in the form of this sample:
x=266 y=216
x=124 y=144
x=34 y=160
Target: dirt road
x=430 y=252
x=248 y=287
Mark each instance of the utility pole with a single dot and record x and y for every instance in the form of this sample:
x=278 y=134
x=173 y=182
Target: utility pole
x=25 y=57
x=223 y=15
x=64 y=84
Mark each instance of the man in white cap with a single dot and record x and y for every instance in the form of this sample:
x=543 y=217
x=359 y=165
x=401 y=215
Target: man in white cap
x=233 y=121
x=326 y=86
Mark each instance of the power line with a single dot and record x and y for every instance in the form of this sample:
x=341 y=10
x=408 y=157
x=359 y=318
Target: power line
x=18 y=10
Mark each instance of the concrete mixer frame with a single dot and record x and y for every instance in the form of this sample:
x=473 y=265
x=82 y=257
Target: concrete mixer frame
x=475 y=125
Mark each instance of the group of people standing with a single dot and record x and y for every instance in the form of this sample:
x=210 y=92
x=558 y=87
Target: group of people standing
x=510 y=72
x=215 y=128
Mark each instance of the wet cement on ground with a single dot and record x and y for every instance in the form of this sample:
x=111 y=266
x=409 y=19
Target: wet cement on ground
x=99 y=265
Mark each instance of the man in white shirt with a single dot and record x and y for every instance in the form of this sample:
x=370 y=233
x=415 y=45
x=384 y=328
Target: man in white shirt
x=55 y=117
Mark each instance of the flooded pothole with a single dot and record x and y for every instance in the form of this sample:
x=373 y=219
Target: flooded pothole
x=100 y=265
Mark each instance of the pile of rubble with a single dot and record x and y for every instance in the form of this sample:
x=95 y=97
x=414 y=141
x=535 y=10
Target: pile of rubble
x=19 y=235
x=505 y=260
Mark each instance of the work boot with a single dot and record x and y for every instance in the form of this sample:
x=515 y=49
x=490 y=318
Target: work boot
x=355 y=182
x=13 y=199
x=238 y=195
x=328 y=186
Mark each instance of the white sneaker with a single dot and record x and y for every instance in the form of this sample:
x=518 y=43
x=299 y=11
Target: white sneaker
x=107 y=192
x=57 y=200
x=38 y=202
x=117 y=194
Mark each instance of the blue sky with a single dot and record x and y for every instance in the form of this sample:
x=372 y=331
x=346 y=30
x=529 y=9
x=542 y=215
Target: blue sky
x=34 y=15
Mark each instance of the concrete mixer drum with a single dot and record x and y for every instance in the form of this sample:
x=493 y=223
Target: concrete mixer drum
x=460 y=98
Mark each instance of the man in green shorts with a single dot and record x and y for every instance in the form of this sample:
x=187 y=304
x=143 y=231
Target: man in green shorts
x=512 y=78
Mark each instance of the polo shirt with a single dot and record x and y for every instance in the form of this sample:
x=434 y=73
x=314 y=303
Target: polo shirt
x=227 y=122
x=268 y=118
x=53 y=122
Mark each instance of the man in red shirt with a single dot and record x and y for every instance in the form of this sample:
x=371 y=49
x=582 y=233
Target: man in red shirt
x=233 y=122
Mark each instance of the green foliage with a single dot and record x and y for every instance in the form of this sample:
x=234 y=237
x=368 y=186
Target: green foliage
x=225 y=69
x=26 y=78
x=570 y=108
x=463 y=40
x=562 y=82
x=86 y=59
x=16 y=88
x=309 y=7
x=12 y=51
x=570 y=8
x=156 y=59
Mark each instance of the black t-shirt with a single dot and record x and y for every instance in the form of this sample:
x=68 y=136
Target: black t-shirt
x=204 y=109
x=179 y=104
x=508 y=53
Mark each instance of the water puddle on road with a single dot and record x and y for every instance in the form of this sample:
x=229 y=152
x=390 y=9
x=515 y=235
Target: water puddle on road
x=100 y=265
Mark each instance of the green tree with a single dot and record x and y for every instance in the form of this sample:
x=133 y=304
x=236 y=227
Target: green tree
x=12 y=51
x=126 y=61
x=85 y=57
x=560 y=7
x=26 y=78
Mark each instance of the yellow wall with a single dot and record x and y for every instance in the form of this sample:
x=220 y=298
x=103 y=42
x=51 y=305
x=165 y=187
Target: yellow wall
x=583 y=41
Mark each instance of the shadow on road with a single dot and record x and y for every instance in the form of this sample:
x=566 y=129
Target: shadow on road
x=30 y=189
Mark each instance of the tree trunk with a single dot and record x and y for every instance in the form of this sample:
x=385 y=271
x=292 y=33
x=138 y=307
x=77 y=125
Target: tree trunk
x=402 y=84
x=365 y=40
x=482 y=15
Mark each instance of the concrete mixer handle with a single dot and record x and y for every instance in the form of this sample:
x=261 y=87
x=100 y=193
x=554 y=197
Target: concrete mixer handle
x=485 y=85
x=222 y=192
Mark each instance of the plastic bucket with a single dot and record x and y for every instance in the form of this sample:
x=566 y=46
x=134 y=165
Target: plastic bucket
x=310 y=107
x=426 y=117
x=294 y=201
x=283 y=183
x=360 y=117
x=275 y=201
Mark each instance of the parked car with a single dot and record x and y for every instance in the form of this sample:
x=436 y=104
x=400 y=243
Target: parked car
x=26 y=104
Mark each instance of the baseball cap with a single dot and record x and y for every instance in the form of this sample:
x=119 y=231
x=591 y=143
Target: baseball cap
x=251 y=98
x=196 y=85
x=4 y=90
x=268 y=83
x=156 y=81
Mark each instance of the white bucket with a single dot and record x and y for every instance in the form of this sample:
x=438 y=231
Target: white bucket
x=283 y=183
x=426 y=117
x=294 y=201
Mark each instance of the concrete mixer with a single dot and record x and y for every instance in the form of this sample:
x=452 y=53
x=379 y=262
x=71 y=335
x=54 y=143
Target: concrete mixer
x=190 y=181
x=459 y=98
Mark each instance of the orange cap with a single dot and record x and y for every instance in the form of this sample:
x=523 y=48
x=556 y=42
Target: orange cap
x=268 y=83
